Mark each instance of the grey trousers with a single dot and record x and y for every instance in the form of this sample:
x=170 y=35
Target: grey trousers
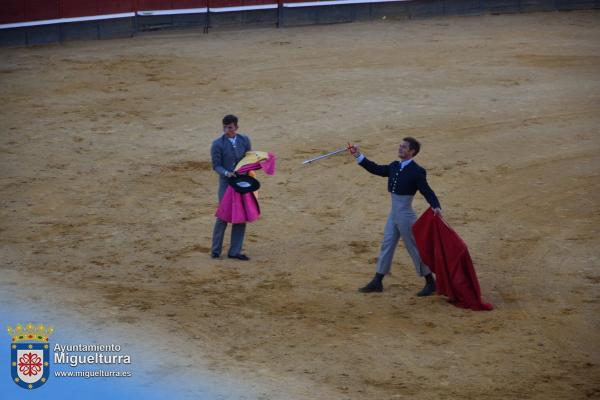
x=399 y=224
x=237 y=231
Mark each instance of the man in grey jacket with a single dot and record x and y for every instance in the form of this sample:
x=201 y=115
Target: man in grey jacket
x=225 y=153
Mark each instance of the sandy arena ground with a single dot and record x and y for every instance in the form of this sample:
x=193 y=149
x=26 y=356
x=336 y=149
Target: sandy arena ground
x=108 y=199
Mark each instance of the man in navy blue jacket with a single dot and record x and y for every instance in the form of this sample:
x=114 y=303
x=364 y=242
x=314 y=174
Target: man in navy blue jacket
x=405 y=177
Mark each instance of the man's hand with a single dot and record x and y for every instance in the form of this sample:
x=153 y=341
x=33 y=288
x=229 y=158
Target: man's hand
x=230 y=174
x=353 y=149
x=438 y=212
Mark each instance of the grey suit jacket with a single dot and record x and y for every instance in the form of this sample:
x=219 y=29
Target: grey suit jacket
x=225 y=157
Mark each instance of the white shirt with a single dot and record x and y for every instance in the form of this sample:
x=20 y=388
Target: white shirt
x=232 y=140
x=404 y=163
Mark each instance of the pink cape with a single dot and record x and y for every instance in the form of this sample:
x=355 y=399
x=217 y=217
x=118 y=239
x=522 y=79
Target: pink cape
x=447 y=256
x=239 y=208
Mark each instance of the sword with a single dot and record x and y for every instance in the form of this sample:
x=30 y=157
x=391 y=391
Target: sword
x=325 y=155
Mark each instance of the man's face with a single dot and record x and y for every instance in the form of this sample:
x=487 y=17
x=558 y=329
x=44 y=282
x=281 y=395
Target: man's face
x=404 y=151
x=230 y=130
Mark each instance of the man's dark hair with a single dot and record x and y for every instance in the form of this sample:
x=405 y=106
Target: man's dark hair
x=230 y=119
x=413 y=144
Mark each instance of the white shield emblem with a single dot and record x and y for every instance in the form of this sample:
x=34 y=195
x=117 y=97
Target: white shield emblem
x=29 y=364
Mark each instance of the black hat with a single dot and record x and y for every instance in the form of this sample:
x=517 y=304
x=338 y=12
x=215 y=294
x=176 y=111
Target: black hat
x=244 y=183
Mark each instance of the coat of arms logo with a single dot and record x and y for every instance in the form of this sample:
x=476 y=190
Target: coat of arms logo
x=30 y=355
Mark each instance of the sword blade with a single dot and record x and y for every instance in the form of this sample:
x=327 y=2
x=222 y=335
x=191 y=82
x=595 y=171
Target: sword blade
x=325 y=155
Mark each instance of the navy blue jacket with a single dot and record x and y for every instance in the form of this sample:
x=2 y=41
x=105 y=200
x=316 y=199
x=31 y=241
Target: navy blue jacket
x=404 y=181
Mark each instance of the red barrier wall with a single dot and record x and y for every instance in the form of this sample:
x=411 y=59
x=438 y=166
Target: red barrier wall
x=42 y=9
x=35 y=10
x=12 y=11
x=115 y=6
x=237 y=3
x=78 y=8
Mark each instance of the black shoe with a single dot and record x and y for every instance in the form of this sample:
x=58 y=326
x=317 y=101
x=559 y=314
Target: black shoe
x=241 y=257
x=373 y=286
x=428 y=290
x=214 y=255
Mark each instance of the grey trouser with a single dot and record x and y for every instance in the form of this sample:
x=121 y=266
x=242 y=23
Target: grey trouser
x=237 y=231
x=399 y=224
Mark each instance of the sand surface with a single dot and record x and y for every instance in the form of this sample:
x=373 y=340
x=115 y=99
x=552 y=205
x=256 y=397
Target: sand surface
x=108 y=198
